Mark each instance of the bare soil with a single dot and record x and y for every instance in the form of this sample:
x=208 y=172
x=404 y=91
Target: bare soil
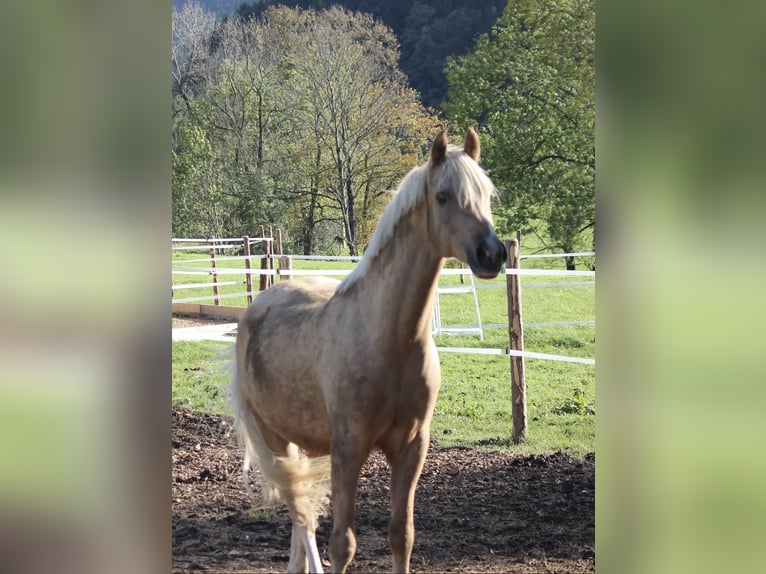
x=475 y=510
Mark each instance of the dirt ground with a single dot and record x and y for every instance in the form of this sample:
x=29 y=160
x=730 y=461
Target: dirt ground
x=475 y=510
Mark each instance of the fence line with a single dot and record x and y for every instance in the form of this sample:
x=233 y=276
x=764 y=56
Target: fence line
x=554 y=272
x=535 y=285
x=531 y=325
x=226 y=258
x=232 y=270
x=202 y=285
x=559 y=324
x=318 y=272
x=558 y=255
x=212 y=240
x=568 y=284
x=550 y=272
x=326 y=257
x=183 y=270
x=513 y=353
x=217 y=243
x=206 y=247
x=208 y=297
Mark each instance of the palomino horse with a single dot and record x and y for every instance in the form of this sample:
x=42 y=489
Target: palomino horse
x=327 y=371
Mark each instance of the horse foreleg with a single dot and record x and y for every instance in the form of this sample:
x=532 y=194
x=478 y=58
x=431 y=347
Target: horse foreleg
x=405 y=472
x=348 y=456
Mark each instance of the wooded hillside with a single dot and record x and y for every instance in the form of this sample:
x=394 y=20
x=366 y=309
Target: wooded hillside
x=429 y=31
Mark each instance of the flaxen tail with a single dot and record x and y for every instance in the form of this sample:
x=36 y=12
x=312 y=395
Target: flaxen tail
x=300 y=481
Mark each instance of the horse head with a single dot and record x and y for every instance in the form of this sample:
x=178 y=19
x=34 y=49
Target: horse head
x=459 y=214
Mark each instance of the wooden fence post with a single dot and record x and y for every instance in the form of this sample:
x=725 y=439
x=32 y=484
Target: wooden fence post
x=516 y=340
x=215 y=275
x=264 y=281
x=248 y=275
x=270 y=258
x=285 y=262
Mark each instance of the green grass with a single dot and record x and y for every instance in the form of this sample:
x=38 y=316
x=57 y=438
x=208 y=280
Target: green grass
x=201 y=374
x=474 y=405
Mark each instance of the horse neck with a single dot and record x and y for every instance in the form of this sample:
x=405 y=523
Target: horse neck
x=398 y=289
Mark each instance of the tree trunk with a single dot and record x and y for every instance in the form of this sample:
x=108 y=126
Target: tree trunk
x=570 y=261
x=352 y=223
x=259 y=161
x=310 y=221
x=308 y=230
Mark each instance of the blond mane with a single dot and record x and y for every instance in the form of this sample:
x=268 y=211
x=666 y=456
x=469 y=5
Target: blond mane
x=408 y=195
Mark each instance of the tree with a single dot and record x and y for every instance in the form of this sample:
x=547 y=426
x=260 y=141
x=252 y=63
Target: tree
x=301 y=119
x=190 y=49
x=199 y=207
x=237 y=103
x=428 y=30
x=530 y=88
x=354 y=108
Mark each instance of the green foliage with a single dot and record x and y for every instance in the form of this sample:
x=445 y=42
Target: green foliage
x=530 y=89
x=198 y=204
x=298 y=119
x=428 y=30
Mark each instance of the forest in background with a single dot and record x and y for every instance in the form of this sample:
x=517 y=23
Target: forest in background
x=428 y=31
x=304 y=118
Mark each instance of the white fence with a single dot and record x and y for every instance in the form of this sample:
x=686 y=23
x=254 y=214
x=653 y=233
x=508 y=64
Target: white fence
x=236 y=243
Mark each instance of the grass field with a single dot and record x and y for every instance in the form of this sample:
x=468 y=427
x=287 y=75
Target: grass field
x=474 y=405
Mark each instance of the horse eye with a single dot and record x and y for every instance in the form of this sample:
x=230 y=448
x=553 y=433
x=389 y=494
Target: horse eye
x=441 y=197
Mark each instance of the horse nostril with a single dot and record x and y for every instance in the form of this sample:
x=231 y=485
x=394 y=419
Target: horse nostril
x=485 y=253
x=490 y=254
x=482 y=254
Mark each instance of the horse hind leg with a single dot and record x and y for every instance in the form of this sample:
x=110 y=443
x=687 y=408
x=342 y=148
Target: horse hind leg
x=305 y=492
x=304 y=554
x=300 y=481
x=297 y=552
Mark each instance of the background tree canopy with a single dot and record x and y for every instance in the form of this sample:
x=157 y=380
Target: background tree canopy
x=298 y=119
x=428 y=31
x=302 y=119
x=530 y=88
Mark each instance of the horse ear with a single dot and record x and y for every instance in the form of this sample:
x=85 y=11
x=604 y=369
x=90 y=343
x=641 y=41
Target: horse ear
x=472 y=146
x=439 y=148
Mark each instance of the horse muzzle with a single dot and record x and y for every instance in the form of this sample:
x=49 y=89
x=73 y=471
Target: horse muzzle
x=488 y=257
